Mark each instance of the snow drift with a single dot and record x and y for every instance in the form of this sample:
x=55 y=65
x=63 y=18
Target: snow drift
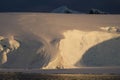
x=52 y=41
x=76 y=49
x=7 y=45
x=95 y=48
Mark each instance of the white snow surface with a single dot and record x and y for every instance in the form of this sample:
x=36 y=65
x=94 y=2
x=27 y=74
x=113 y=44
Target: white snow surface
x=50 y=41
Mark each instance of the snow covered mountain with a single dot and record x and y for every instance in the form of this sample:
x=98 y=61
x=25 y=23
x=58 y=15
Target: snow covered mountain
x=96 y=11
x=64 y=9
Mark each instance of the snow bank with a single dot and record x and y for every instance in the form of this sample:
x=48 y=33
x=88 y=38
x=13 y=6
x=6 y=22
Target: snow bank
x=87 y=49
x=6 y=46
x=76 y=49
x=26 y=51
x=110 y=29
x=42 y=40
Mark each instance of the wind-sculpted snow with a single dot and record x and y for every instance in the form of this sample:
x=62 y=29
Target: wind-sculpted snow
x=6 y=46
x=95 y=48
x=55 y=41
x=76 y=49
x=27 y=51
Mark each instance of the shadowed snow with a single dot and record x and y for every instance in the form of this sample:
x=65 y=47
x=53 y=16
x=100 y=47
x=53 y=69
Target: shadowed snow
x=57 y=41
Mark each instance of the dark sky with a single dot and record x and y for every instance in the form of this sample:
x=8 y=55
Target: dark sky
x=110 y=6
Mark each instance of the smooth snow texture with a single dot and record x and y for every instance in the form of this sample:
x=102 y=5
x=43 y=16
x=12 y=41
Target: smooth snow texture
x=75 y=45
x=37 y=40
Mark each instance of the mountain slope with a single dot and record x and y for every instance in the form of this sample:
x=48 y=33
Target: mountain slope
x=64 y=9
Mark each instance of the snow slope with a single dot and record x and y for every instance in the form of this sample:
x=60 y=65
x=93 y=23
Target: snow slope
x=39 y=40
x=90 y=48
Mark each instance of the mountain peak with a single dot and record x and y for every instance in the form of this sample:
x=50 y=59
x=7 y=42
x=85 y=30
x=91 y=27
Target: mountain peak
x=96 y=11
x=64 y=9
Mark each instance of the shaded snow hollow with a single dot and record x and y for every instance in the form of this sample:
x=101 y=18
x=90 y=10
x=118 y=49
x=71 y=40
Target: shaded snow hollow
x=76 y=49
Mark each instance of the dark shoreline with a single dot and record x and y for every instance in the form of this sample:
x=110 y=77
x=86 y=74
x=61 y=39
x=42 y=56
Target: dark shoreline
x=82 y=70
x=38 y=76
